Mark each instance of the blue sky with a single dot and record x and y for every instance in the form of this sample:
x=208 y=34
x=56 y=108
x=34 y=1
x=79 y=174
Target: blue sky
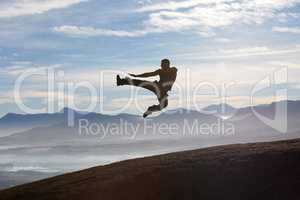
x=217 y=42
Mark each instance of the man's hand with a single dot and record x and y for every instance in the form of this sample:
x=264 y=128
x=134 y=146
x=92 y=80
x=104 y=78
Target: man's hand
x=133 y=75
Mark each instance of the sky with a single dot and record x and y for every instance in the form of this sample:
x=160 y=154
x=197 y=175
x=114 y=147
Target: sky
x=223 y=49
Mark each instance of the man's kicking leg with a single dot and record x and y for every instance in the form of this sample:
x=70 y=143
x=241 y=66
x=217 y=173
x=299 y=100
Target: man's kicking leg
x=152 y=86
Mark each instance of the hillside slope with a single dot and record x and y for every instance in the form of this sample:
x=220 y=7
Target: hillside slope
x=245 y=171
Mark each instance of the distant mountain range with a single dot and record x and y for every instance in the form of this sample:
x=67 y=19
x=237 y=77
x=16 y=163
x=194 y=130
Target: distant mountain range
x=43 y=143
x=243 y=119
x=220 y=109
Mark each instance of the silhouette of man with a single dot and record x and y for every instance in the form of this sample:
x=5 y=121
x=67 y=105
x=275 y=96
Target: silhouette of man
x=167 y=76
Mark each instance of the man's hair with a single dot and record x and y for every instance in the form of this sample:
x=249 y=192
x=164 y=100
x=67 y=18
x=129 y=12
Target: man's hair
x=165 y=62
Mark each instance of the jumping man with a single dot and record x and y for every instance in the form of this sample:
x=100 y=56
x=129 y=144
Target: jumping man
x=167 y=76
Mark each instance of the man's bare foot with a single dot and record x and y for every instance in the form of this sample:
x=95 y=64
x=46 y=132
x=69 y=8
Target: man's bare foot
x=122 y=81
x=147 y=113
x=119 y=81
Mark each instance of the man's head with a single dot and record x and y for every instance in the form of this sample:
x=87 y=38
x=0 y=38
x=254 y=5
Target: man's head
x=165 y=63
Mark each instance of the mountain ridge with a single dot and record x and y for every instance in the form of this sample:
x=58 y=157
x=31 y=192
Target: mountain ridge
x=247 y=171
x=178 y=110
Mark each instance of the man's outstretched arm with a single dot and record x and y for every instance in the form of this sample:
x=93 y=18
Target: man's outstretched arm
x=145 y=75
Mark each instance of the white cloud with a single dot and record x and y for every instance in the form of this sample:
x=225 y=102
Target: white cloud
x=284 y=17
x=204 y=14
x=175 y=5
x=144 y=2
x=90 y=31
x=235 y=4
x=202 y=17
x=18 y=68
x=295 y=30
x=14 y=8
x=237 y=53
x=223 y=40
x=290 y=65
x=246 y=51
